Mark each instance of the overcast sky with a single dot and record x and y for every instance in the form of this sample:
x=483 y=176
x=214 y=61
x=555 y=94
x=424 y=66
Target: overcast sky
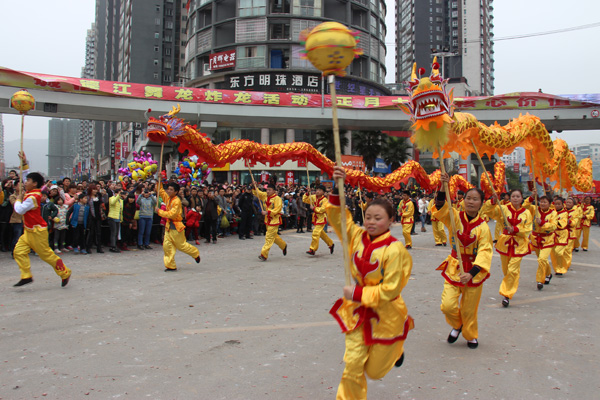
x=48 y=36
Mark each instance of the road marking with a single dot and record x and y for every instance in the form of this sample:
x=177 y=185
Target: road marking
x=518 y=302
x=258 y=328
x=597 y=243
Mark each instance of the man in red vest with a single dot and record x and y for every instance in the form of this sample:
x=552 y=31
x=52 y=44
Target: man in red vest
x=35 y=233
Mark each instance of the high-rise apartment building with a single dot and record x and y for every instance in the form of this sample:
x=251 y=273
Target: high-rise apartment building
x=2 y=159
x=255 y=44
x=86 y=146
x=63 y=142
x=459 y=32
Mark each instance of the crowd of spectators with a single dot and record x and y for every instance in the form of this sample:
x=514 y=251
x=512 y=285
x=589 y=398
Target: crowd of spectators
x=94 y=215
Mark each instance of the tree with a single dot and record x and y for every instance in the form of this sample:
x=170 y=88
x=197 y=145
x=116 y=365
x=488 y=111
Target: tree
x=325 y=143
x=513 y=180
x=369 y=144
x=395 y=151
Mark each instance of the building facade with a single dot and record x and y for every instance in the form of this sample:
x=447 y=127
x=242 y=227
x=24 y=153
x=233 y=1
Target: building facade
x=63 y=144
x=2 y=159
x=459 y=32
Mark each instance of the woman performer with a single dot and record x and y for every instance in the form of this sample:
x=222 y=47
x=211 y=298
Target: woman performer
x=476 y=251
x=579 y=210
x=574 y=215
x=542 y=238
x=561 y=239
x=372 y=313
x=406 y=210
x=513 y=244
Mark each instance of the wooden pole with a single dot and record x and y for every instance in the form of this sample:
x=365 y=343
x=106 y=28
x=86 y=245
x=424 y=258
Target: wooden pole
x=308 y=184
x=254 y=182
x=537 y=208
x=453 y=231
x=21 y=180
x=340 y=182
x=360 y=203
x=491 y=183
x=162 y=148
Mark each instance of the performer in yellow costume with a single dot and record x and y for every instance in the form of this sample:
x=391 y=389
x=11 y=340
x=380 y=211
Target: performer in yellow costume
x=272 y=212
x=561 y=239
x=35 y=233
x=513 y=244
x=372 y=314
x=579 y=210
x=542 y=237
x=319 y=219
x=586 y=221
x=459 y=204
x=439 y=234
x=406 y=210
x=476 y=251
x=574 y=216
x=174 y=228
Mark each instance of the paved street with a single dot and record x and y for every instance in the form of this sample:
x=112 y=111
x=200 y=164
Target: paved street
x=233 y=327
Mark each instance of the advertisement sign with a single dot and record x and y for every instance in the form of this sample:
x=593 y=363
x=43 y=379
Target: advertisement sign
x=223 y=59
x=125 y=149
x=235 y=177
x=353 y=162
x=381 y=167
x=112 y=154
x=302 y=163
x=516 y=167
x=117 y=150
x=289 y=178
x=462 y=170
x=264 y=176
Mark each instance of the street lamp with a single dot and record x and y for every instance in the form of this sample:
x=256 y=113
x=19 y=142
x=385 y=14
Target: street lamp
x=443 y=53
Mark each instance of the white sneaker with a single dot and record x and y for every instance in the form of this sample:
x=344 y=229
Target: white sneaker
x=57 y=251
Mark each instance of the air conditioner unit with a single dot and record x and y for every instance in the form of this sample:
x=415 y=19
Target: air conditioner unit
x=207 y=70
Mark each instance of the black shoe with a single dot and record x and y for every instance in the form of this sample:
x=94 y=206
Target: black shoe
x=584 y=249
x=331 y=248
x=23 y=282
x=97 y=251
x=207 y=241
x=285 y=250
x=141 y=248
x=438 y=244
x=559 y=274
x=408 y=247
x=311 y=252
x=65 y=281
x=548 y=279
x=147 y=247
x=170 y=269
x=452 y=339
x=540 y=286
x=215 y=241
x=114 y=250
x=242 y=238
x=249 y=237
x=473 y=345
x=445 y=244
x=400 y=361
x=261 y=258
x=505 y=302
x=494 y=241
x=197 y=259
x=576 y=250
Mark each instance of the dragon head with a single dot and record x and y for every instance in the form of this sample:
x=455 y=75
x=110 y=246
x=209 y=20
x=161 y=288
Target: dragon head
x=430 y=107
x=166 y=126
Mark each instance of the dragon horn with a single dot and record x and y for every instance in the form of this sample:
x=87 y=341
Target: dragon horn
x=436 y=71
x=413 y=75
x=175 y=110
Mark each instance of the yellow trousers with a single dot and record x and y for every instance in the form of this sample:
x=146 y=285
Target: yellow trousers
x=272 y=237
x=511 y=267
x=318 y=234
x=38 y=242
x=498 y=229
x=176 y=241
x=576 y=243
x=568 y=257
x=559 y=262
x=406 y=228
x=375 y=361
x=543 y=265
x=585 y=230
x=464 y=313
x=439 y=234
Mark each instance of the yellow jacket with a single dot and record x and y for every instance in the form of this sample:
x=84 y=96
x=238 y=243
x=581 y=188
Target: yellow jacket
x=543 y=235
x=172 y=212
x=273 y=206
x=517 y=243
x=430 y=209
x=406 y=209
x=319 y=216
x=115 y=207
x=380 y=268
x=588 y=215
x=459 y=205
x=575 y=215
x=561 y=234
x=475 y=246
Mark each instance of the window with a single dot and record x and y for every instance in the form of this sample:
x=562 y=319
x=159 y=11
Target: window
x=167 y=51
x=168 y=11
x=280 y=31
x=157 y=21
x=251 y=30
x=308 y=8
x=168 y=38
x=169 y=25
x=155 y=62
x=167 y=78
x=276 y=136
x=280 y=7
x=156 y=48
x=251 y=134
x=251 y=57
x=167 y=64
x=157 y=8
x=249 y=8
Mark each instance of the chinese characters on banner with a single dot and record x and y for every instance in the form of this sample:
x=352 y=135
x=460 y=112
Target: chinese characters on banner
x=462 y=171
x=516 y=168
x=353 y=162
x=223 y=59
x=125 y=149
x=289 y=178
